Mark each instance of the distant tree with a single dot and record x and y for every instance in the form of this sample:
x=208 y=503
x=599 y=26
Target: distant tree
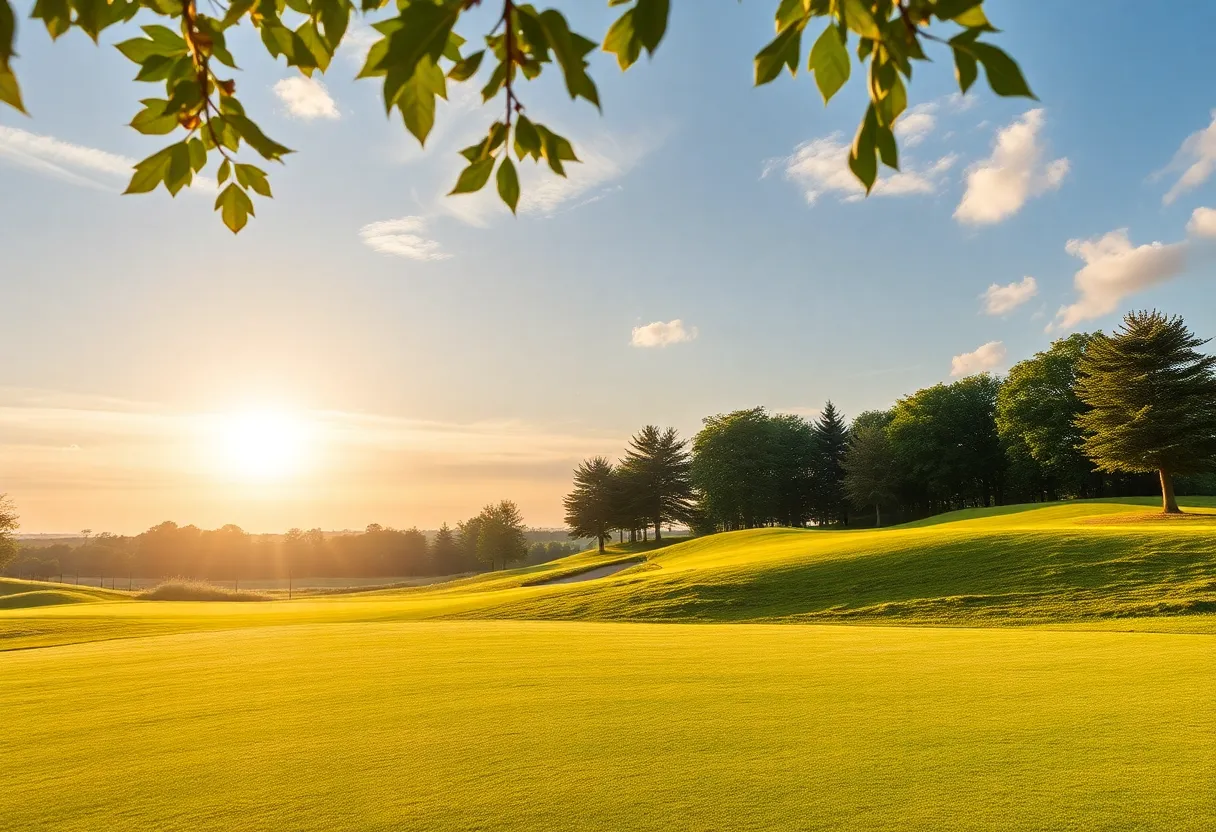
x=871 y=475
x=1036 y=416
x=467 y=534
x=831 y=442
x=8 y=525
x=946 y=441
x=592 y=507
x=501 y=537
x=871 y=418
x=413 y=555
x=447 y=556
x=1152 y=400
x=792 y=451
x=656 y=467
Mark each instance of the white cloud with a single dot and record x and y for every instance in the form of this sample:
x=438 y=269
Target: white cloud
x=1113 y=270
x=1199 y=150
x=306 y=98
x=660 y=334
x=986 y=357
x=1001 y=299
x=73 y=163
x=402 y=238
x=1203 y=222
x=916 y=124
x=1000 y=185
x=820 y=167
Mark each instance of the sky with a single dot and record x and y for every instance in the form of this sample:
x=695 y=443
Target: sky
x=370 y=350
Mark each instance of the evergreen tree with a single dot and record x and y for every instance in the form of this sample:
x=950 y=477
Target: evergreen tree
x=592 y=505
x=656 y=468
x=447 y=556
x=831 y=443
x=1152 y=400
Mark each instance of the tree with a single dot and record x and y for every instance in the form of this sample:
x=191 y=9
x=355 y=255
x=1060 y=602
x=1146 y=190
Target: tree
x=419 y=53
x=1152 y=400
x=831 y=443
x=8 y=525
x=501 y=535
x=1036 y=415
x=870 y=469
x=656 y=468
x=447 y=557
x=591 y=506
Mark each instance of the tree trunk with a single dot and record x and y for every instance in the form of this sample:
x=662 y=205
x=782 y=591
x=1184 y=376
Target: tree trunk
x=601 y=542
x=877 y=515
x=658 y=535
x=1168 y=501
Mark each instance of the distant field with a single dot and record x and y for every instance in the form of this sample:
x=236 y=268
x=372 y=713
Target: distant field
x=1059 y=676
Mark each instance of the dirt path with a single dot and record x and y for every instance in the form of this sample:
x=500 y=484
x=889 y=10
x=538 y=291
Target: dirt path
x=591 y=574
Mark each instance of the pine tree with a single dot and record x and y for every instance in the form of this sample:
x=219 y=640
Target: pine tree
x=832 y=441
x=447 y=558
x=1153 y=401
x=656 y=468
x=591 y=506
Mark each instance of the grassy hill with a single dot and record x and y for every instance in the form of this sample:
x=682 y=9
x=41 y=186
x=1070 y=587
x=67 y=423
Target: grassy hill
x=423 y=709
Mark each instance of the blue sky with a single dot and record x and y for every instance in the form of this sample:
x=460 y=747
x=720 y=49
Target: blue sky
x=475 y=356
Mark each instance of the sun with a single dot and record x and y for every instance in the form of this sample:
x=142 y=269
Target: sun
x=262 y=444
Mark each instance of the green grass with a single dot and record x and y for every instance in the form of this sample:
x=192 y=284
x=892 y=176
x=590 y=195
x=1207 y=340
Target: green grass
x=695 y=690
x=518 y=725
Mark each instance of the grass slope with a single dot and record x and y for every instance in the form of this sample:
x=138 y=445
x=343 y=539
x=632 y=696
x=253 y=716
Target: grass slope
x=1068 y=563
x=577 y=726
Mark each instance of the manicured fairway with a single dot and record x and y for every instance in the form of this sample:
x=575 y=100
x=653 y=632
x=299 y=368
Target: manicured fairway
x=555 y=726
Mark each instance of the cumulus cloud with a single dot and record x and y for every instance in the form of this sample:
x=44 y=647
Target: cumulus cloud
x=660 y=334
x=1203 y=222
x=1198 y=156
x=820 y=167
x=985 y=357
x=916 y=123
x=1000 y=185
x=75 y=163
x=402 y=237
x=1001 y=299
x=306 y=98
x=1115 y=269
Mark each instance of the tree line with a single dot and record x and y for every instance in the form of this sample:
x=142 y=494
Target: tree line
x=492 y=539
x=1127 y=414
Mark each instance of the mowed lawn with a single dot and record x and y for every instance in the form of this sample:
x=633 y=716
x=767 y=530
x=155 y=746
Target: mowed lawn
x=498 y=725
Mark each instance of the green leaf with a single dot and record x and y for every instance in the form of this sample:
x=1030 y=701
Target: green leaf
x=139 y=50
x=150 y=172
x=858 y=18
x=888 y=92
x=951 y=9
x=570 y=50
x=55 y=14
x=179 y=173
x=253 y=135
x=474 y=177
x=198 y=154
x=254 y=178
x=830 y=62
x=235 y=207
x=556 y=149
x=316 y=45
x=10 y=92
x=965 y=69
x=790 y=11
x=508 y=182
x=335 y=17
x=1004 y=75
x=416 y=98
x=224 y=172
x=884 y=139
x=467 y=67
x=622 y=40
x=157 y=68
x=423 y=32
x=650 y=22
x=527 y=139
x=785 y=50
x=861 y=155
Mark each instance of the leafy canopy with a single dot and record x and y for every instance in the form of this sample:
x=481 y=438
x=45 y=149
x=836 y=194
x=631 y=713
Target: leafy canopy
x=419 y=52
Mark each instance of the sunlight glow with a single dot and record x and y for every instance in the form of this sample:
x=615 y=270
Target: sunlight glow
x=262 y=444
